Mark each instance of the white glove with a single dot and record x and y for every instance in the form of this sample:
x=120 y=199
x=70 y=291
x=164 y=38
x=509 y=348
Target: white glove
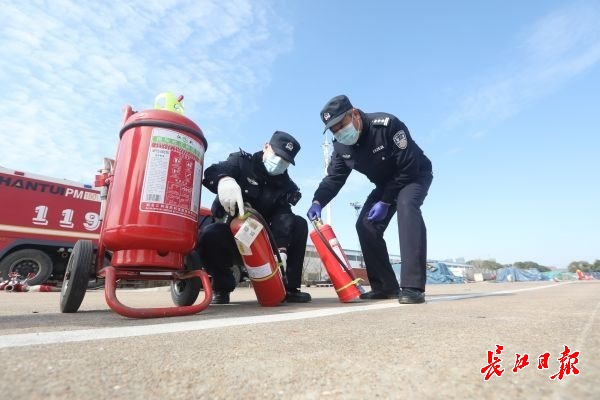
x=283 y=257
x=230 y=194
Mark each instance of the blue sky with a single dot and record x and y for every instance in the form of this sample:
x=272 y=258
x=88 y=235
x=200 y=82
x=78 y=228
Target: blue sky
x=502 y=96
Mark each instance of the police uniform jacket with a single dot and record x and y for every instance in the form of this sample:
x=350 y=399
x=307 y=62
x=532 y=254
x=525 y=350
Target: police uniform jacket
x=271 y=195
x=385 y=153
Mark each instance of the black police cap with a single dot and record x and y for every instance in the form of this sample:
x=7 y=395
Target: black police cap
x=334 y=110
x=285 y=146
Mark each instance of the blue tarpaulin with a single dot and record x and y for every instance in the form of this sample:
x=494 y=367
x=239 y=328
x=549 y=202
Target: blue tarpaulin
x=437 y=272
x=514 y=274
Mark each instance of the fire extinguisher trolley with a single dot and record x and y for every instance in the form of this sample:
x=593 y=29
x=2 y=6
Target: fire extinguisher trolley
x=150 y=210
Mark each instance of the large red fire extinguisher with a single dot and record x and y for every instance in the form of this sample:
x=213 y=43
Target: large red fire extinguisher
x=251 y=235
x=347 y=287
x=152 y=210
x=151 y=215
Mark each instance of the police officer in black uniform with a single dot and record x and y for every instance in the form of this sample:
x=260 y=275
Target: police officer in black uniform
x=260 y=179
x=380 y=146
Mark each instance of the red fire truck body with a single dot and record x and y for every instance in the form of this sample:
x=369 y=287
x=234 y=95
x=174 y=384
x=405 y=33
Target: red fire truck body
x=41 y=218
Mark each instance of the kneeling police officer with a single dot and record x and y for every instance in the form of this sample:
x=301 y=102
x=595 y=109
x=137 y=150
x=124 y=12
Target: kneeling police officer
x=260 y=179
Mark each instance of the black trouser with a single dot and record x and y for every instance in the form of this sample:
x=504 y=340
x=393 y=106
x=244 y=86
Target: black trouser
x=412 y=235
x=218 y=250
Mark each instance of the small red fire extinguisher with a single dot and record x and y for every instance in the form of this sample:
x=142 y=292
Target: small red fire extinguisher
x=347 y=287
x=251 y=235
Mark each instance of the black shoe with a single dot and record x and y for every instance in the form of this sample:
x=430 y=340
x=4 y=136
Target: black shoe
x=411 y=296
x=296 y=296
x=374 y=295
x=220 y=298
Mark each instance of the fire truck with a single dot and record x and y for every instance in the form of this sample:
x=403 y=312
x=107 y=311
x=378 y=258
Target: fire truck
x=41 y=218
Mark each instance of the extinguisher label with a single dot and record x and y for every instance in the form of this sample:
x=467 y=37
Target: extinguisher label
x=173 y=174
x=248 y=232
x=259 y=272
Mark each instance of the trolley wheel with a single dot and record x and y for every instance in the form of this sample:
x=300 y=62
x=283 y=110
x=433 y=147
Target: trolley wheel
x=77 y=275
x=95 y=281
x=184 y=292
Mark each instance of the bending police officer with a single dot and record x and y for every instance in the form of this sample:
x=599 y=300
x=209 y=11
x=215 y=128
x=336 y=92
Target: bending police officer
x=379 y=146
x=260 y=179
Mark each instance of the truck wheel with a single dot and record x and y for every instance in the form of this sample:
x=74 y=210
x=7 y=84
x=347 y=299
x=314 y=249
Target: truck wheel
x=77 y=275
x=185 y=292
x=25 y=262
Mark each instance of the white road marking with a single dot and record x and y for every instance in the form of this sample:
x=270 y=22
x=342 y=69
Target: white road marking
x=41 y=338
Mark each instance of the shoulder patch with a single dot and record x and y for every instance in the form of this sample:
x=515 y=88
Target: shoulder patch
x=381 y=121
x=400 y=139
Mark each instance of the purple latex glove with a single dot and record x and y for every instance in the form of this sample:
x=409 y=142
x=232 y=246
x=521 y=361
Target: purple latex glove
x=378 y=211
x=314 y=212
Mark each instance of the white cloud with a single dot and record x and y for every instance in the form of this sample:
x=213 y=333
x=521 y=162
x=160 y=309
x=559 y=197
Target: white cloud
x=553 y=50
x=68 y=67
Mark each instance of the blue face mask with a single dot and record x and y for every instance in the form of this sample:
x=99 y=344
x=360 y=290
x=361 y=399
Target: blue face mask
x=348 y=135
x=275 y=165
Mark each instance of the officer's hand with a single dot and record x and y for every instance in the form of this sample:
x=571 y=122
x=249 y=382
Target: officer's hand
x=314 y=212
x=378 y=211
x=230 y=195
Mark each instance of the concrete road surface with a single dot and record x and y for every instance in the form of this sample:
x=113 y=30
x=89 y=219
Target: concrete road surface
x=321 y=350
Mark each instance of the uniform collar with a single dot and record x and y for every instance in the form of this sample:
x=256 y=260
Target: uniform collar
x=364 y=122
x=257 y=164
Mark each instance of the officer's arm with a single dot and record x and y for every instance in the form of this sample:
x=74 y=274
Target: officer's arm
x=407 y=161
x=337 y=173
x=230 y=167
